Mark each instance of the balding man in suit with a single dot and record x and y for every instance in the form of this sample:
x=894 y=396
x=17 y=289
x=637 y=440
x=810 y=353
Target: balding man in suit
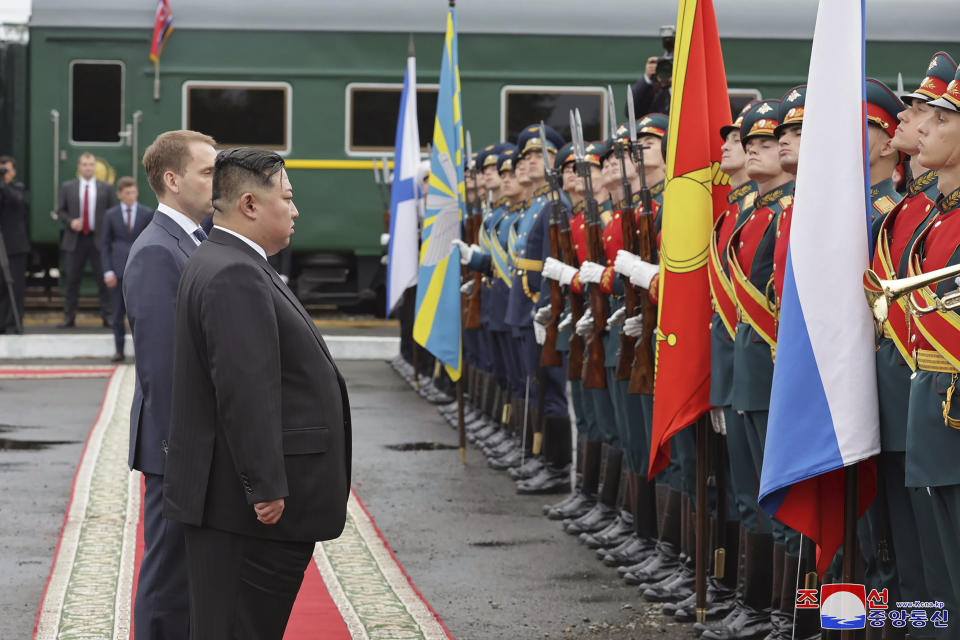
x=83 y=204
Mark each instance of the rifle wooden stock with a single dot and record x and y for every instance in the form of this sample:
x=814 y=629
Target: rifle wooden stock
x=625 y=358
x=549 y=356
x=472 y=314
x=575 y=355
x=642 y=376
x=594 y=372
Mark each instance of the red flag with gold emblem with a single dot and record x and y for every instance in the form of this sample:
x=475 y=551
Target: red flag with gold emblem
x=695 y=190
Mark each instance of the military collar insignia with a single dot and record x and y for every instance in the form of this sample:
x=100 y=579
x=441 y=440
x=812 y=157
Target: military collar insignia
x=769 y=198
x=517 y=207
x=922 y=182
x=949 y=202
x=740 y=192
x=764 y=108
x=635 y=201
x=874 y=192
x=579 y=208
x=545 y=189
x=656 y=189
x=499 y=203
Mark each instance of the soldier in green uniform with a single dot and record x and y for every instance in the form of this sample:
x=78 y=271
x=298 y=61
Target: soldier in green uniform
x=918 y=557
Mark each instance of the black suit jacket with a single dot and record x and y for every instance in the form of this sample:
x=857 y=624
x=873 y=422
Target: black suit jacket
x=116 y=239
x=259 y=410
x=13 y=217
x=70 y=208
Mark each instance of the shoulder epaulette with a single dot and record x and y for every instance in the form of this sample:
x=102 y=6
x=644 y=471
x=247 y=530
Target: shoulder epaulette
x=922 y=183
x=884 y=204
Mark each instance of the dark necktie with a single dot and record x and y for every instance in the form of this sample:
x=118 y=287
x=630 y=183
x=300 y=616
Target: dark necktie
x=85 y=229
x=128 y=214
x=199 y=234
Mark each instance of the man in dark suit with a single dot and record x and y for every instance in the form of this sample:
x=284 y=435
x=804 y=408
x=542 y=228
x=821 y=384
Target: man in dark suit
x=179 y=167
x=13 y=226
x=121 y=226
x=258 y=465
x=83 y=202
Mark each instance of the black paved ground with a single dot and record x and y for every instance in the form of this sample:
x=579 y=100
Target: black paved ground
x=486 y=559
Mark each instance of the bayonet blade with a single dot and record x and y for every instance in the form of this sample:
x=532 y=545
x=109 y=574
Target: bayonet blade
x=469 y=152
x=576 y=115
x=900 y=90
x=376 y=172
x=631 y=116
x=577 y=151
x=386 y=170
x=611 y=112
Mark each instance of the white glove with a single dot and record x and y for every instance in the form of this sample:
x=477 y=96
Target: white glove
x=539 y=332
x=543 y=315
x=585 y=324
x=553 y=269
x=384 y=239
x=633 y=327
x=625 y=262
x=591 y=272
x=718 y=421
x=617 y=317
x=565 y=321
x=467 y=287
x=642 y=273
x=466 y=252
x=567 y=275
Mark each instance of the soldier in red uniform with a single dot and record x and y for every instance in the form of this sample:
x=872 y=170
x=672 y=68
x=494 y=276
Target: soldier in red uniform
x=933 y=419
x=918 y=558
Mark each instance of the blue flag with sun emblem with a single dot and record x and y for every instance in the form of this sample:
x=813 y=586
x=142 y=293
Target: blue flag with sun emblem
x=437 y=324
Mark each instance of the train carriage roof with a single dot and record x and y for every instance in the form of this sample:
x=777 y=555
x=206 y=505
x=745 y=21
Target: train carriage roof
x=886 y=19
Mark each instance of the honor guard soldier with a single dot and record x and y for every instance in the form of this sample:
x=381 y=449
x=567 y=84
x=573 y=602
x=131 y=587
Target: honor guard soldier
x=917 y=555
x=529 y=245
x=741 y=482
x=750 y=261
x=933 y=419
x=882 y=109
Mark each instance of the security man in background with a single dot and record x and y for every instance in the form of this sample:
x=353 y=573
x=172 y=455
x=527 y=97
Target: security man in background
x=13 y=225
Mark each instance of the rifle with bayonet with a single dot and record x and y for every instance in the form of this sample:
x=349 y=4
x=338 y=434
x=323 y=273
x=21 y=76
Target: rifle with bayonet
x=594 y=373
x=472 y=231
x=642 y=375
x=549 y=356
x=569 y=255
x=628 y=229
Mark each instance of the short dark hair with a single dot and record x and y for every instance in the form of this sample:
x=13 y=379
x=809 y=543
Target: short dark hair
x=8 y=159
x=236 y=169
x=124 y=182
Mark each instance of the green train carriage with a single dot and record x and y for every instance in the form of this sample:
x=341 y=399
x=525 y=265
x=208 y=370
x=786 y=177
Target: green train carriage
x=320 y=81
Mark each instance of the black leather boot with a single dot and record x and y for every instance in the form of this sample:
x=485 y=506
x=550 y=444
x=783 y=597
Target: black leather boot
x=509 y=460
x=617 y=533
x=779 y=619
x=597 y=519
x=676 y=588
x=548 y=480
x=753 y=619
x=579 y=504
x=530 y=467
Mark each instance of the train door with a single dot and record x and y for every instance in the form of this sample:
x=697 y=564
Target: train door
x=98 y=120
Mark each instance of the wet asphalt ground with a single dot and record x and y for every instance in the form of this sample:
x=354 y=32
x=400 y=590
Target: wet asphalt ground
x=486 y=559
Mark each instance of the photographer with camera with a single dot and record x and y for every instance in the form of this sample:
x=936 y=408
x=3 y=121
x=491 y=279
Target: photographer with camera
x=13 y=227
x=651 y=93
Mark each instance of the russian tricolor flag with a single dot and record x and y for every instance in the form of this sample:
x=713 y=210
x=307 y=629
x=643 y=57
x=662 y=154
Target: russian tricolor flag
x=823 y=407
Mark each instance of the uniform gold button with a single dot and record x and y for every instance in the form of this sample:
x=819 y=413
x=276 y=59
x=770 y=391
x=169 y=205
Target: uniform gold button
x=927 y=208
x=770 y=217
x=741 y=245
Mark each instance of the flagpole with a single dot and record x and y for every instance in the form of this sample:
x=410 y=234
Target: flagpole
x=702 y=535
x=156 y=80
x=851 y=492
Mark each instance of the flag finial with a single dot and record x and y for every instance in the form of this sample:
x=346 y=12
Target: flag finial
x=410 y=49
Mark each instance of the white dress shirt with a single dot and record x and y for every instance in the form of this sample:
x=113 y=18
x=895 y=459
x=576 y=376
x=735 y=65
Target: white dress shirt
x=250 y=242
x=91 y=203
x=188 y=225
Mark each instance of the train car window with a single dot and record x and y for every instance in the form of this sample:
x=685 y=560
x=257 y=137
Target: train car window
x=372 y=111
x=521 y=105
x=239 y=114
x=96 y=102
x=739 y=98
